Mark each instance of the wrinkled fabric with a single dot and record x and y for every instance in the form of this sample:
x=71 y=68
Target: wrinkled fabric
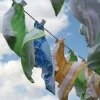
x=91 y=89
x=93 y=85
x=62 y=64
x=66 y=72
x=97 y=84
x=85 y=33
x=43 y=59
x=81 y=85
x=69 y=80
x=14 y=31
x=88 y=13
x=54 y=51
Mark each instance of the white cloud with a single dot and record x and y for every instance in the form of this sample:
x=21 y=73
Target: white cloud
x=15 y=86
x=41 y=9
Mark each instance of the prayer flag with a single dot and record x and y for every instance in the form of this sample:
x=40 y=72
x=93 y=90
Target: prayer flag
x=57 y=5
x=81 y=85
x=14 y=31
x=73 y=57
x=62 y=64
x=69 y=79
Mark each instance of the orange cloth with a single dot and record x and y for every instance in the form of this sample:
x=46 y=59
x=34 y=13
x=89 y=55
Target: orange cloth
x=62 y=63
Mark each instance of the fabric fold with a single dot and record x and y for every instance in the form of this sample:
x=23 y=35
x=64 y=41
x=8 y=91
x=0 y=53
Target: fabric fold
x=93 y=85
x=14 y=31
x=62 y=64
x=43 y=60
x=69 y=80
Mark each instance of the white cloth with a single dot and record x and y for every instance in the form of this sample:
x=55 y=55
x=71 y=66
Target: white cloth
x=7 y=30
x=67 y=79
x=88 y=13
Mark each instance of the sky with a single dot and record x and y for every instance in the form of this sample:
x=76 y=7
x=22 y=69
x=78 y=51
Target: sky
x=13 y=83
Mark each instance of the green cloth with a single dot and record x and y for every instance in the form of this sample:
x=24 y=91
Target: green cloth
x=19 y=27
x=93 y=59
x=81 y=85
x=27 y=52
x=73 y=57
x=57 y=5
x=19 y=40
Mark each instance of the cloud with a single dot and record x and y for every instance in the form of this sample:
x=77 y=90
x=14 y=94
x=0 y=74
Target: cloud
x=15 y=86
x=41 y=9
x=44 y=10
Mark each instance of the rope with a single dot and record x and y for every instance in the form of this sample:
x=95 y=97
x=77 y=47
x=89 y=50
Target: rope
x=44 y=28
x=53 y=35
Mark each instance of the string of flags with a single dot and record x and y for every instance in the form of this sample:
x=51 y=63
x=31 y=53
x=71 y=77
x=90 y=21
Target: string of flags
x=70 y=50
x=34 y=51
x=88 y=14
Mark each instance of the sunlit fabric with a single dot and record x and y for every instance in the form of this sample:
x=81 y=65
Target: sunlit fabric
x=14 y=31
x=81 y=85
x=66 y=72
x=43 y=59
x=62 y=64
x=93 y=85
x=91 y=88
x=68 y=82
x=73 y=57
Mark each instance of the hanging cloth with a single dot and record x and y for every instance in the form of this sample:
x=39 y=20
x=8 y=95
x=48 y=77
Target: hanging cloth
x=73 y=57
x=43 y=58
x=88 y=13
x=81 y=85
x=14 y=31
x=91 y=88
x=66 y=72
x=61 y=63
x=69 y=80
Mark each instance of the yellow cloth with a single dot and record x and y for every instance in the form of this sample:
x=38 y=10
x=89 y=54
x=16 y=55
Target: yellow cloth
x=62 y=63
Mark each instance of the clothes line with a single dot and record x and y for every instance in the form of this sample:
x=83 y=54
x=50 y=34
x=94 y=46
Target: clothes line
x=44 y=28
x=52 y=34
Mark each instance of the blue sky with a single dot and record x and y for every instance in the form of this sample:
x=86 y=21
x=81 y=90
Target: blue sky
x=13 y=83
x=72 y=37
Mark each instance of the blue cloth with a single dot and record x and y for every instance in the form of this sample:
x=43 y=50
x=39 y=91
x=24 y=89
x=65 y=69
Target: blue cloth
x=39 y=25
x=43 y=59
